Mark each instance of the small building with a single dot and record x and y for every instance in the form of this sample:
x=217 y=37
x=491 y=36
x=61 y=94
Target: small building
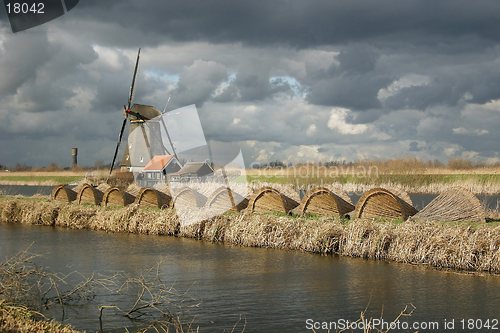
x=194 y=170
x=158 y=169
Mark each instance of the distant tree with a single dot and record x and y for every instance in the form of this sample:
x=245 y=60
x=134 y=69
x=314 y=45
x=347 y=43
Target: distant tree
x=22 y=167
x=53 y=167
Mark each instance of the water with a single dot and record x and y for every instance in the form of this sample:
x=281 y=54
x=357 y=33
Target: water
x=26 y=190
x=274 y=290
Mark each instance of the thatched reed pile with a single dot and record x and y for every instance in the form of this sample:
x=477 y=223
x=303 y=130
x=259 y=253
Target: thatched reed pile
x=456 y=204
x=89 y=194
x=63 y=193
x=116 y=197
x=400 y=193
x=379 y=202
x=133 y=189
x=268 y=199
x=339 y=191
x=164 y=188
x=186 y=198
x=441 y=245
x=220 y=200
x=103 y=187
x=148 y=197
x=322 y=201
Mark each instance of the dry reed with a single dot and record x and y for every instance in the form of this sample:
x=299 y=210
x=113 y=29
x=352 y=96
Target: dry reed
x=20 y=319
x=89 y=194
x=63 y=193
x=321 y=201
x=457 y=204
x=379 y=202
x=268 y=199
x=224 y=199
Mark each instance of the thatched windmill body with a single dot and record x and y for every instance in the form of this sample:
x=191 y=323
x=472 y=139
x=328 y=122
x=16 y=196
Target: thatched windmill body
x=144 y=135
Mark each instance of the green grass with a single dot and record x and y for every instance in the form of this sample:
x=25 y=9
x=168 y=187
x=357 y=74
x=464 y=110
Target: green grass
x=41 y=179
x=410 y=180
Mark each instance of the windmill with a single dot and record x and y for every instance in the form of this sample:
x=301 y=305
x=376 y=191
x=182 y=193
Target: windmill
x=144 y=130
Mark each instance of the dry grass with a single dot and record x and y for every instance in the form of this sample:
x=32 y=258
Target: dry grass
x=465 y=247
x=20 y=319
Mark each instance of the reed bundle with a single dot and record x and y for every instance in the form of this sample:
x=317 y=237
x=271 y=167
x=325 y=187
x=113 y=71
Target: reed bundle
x=221 y=201
x=339 y=191
x=63 y=193
x=89 y=194
x=400 y=193
x=149 y=197
x=103 y=187
x=134 y=189
x=379 y=202
x=164 y=188
x=116 y=197
x=268 y=199
x=322 y=201
x=186 y=198
x=456 y=204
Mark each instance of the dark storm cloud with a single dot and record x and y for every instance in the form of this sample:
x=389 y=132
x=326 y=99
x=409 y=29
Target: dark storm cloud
x=298 y=23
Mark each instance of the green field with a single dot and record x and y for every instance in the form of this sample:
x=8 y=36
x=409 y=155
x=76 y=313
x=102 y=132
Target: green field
x=406 y=180
x=53 y=179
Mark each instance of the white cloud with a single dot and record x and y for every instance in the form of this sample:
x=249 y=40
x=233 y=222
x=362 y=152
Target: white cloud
x=338 y=122
x=465 y=131
x=311 y=130
x=406 y=81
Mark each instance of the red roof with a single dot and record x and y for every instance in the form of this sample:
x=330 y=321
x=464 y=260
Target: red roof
x=158 y=162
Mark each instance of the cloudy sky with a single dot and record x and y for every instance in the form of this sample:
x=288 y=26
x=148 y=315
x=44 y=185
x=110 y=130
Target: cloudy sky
x=285 y=79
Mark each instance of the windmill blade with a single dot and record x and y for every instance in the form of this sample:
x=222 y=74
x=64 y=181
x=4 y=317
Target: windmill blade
x=131 y=95
x=118 y=145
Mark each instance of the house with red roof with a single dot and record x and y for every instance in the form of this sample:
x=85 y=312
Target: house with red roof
x=157 y=169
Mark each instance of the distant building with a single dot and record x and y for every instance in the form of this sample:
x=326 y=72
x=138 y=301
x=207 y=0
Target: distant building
x=194 y=170
x=158 y=169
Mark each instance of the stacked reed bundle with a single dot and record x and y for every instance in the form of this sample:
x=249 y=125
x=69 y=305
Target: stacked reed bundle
x=220 y=200
x=63 y=193
x=339 y=191
x=116 y=197
x=164 y=188
x=268 y=199
x=89 y=194
x=134 y=189
x=149 y=197
x=379 y=202
x=186 y=198
x=456 y=204
x=103 y=187
x=322 y=201
x=400 y=193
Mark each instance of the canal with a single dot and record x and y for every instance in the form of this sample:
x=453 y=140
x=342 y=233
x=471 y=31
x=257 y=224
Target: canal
x=272 y=290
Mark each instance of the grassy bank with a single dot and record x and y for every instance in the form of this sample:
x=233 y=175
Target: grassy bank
x=20 y=319
x=467 y=247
